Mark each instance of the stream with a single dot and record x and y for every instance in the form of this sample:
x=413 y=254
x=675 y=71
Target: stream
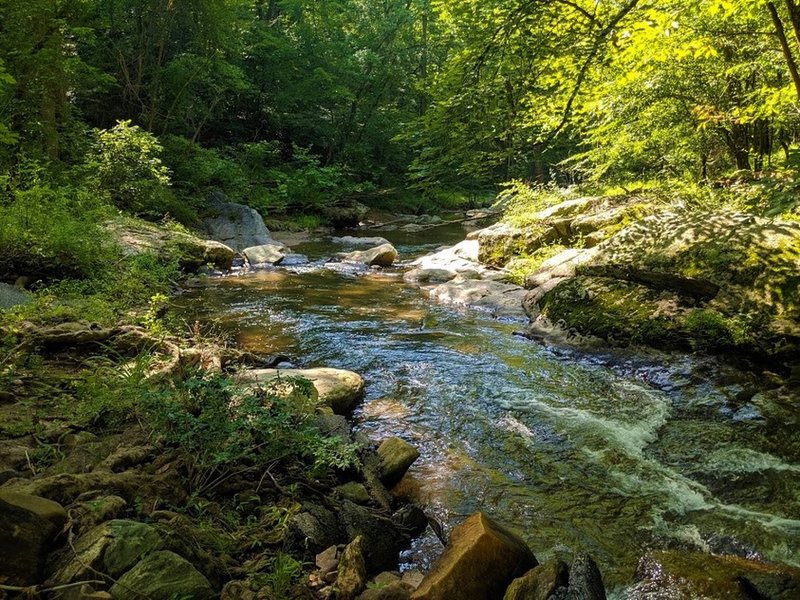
x=610 y=452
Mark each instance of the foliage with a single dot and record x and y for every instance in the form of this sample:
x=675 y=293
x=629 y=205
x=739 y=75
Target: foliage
x=223 y=427
x=126 y=165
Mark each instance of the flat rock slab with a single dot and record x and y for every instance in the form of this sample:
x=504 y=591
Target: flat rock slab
x=266 y=254
x=337 y=388
x=480 y=561
x=501 y=299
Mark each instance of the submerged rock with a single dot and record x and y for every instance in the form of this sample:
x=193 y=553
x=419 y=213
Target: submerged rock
x=481 y=559
x=680 y=574
x=162 y=575
x=501 y=299
x=381 y=256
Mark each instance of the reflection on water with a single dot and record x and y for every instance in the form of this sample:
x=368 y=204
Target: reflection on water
x=607 y=454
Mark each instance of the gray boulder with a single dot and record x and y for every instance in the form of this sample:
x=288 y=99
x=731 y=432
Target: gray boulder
x=266 y=254
x=12 y=296
x=236 y=225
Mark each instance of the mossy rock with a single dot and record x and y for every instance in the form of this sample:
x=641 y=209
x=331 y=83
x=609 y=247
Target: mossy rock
x=162 y=575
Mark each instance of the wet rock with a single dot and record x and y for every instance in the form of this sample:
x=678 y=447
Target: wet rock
x=235 y=225
x=501 y=299
x=381 y=256
x=265 y=254
x=354 y=492
x=677 y=574
x=341 y=390
x=46 y=509
x=383 y=541
x=162 y=575
x=461 y=259
x=539 y=583
x=111 y=548
x=25 y=539
x=585 y=581
x=481 y=559
x=352 y=572
x=411 y=520
x=396 y=456
x=422 y=276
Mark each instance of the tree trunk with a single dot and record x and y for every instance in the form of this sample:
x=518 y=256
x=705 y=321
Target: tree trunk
x=787 y=51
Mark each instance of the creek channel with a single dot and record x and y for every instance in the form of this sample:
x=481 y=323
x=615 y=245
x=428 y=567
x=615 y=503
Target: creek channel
x=609 y=452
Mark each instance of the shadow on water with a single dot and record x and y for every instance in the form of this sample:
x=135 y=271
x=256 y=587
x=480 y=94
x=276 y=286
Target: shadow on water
x=608 y=454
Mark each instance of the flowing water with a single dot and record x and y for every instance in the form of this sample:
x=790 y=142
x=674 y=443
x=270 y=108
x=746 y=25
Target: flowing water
x=611 y=453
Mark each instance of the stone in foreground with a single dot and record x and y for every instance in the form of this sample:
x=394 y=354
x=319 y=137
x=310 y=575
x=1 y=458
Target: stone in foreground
x=24 y=541
x=162 y=576
x=265 y=254
x=381 y=256
x=396 y=456
x=539 y=583
x=480 y=561
x=340 y=390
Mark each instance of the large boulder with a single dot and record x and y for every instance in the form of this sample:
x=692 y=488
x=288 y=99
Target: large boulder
x=111 y=548
x=719 y=280
x=25 y=539
x=396 y=456
x=236 y=225
x=383 y=539
x=266 y=254
x=46 y=509
x=345 y=214
x=680 y=574
x=191 y=252
x=381 y=256
x=480 y=561
x=340 y=390
x=162 y=575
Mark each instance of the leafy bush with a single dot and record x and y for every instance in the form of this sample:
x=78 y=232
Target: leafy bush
x=126 y=164
x=224 y=427
x=52 y=233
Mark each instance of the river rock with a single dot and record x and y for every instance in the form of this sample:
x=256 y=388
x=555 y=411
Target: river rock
x=680 y=574
x=265 y=254
x=381 y=256
x=162 y=575
x=396 y=456
x=481 y=559
x=340 y=390
x=501 y=299
x=25 y=538
x=191 y=252
x=11 y=296
x=713 y=280
x=392 y=591
x=539 y=583
x=352 y=573
x=585 y=581
x=46 y=509
x=111 y=548
x=236 y=225
x=349 y=240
